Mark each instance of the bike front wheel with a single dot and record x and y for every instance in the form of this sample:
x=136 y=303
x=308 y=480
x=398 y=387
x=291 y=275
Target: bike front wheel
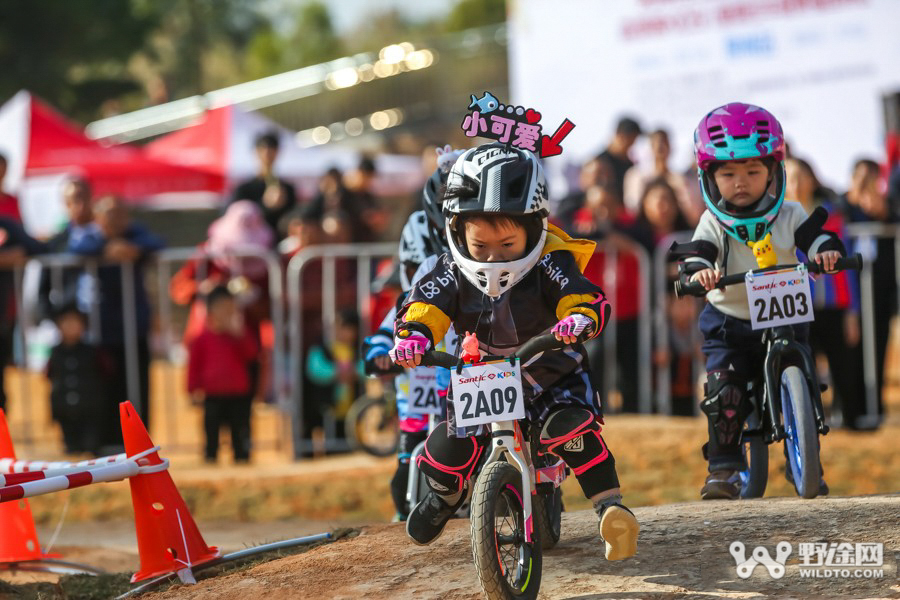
x=508 y=566
x=802 y=437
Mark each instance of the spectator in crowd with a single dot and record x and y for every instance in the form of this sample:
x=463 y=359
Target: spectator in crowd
x=300 y=229
x=836 y=331
x=9 y=204
x=616 y=154
x=366 y=218
x=227 y=258
x=637 y=178
x=77 y=200
x=334 y=374
x=595 y=173
x=865 y=201
x=116 y=239
x=274 y=196
x=220 y=364
x=659 y=215
x=604 y=219
x=15 y=248
x=77 y=375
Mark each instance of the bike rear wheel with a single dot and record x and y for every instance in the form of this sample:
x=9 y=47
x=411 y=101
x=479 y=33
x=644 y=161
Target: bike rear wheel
x=508 y=567
x=756 y=452
x=372 y=425
x=802 y=437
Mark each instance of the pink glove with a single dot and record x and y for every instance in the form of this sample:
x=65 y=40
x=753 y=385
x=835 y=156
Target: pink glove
x=407 y=352
x=571 y=327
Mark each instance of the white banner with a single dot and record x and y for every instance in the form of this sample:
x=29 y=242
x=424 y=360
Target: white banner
x=820 y=66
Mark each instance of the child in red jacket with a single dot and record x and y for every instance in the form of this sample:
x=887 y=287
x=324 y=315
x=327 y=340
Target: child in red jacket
x=219 y=374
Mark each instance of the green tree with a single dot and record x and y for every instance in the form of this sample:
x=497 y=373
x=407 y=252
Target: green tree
x=73 y=54
x=475 y=13
x=313 y=39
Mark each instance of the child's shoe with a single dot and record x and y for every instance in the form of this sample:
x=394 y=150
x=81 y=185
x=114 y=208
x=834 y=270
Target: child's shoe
x=618 y=528
x=427 y=520
x=724 y=484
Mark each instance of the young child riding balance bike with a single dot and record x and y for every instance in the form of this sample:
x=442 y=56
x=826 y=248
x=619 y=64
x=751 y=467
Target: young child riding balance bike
x=509 y=277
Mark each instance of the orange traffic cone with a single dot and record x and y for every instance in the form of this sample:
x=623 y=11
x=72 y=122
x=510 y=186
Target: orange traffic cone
x=18 y=537
x=168 y=539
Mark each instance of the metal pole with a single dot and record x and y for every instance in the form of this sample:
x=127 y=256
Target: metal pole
x=645 y=353
x=94 y=324
x=867 y=297
x=163 y=275
x=329 y=301
x=610 y=362
x=129 y=318
x=295 y=337
x=27 y=405
x=276 y=300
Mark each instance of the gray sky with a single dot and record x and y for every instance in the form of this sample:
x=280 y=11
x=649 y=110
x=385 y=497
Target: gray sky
x=347 y=14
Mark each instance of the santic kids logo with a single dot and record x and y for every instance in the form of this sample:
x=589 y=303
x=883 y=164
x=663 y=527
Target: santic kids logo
x=859 y=560
x=477 y=379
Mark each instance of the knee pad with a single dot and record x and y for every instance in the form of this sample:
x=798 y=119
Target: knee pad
x=573 y=434
x=448 y=462
x=725 y=406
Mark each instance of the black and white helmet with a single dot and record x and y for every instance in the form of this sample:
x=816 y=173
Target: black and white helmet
x=415 y=245
x=432 y=198
x=500 y=180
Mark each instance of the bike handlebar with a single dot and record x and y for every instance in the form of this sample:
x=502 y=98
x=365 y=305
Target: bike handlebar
x=541 y=343
x=695 y=288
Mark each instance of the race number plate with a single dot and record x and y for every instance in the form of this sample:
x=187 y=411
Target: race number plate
x=488 y=392
x=779 y=298
x=423 y=398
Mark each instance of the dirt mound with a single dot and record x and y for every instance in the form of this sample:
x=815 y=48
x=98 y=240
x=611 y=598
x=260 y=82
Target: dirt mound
x=683 y=552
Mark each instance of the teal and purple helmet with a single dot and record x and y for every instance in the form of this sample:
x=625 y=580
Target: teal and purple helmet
x=737 y=132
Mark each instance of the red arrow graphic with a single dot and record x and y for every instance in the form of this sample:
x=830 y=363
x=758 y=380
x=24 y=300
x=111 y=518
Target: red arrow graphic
x=550 y=144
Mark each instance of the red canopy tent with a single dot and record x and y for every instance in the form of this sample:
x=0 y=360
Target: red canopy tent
x=220 y=142
x=43 y=149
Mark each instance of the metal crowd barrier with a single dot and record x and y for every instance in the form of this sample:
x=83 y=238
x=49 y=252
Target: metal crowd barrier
x=164 y=260
x=328 y=254
x=865 y=236
x=288 y=367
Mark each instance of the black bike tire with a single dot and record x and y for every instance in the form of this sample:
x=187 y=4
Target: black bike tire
x=492 y=481
x=758 y=459
x=807 y=433
x=354 y=417
x=547 y=510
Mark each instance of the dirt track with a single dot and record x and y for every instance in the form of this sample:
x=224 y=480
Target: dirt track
x=683 y=552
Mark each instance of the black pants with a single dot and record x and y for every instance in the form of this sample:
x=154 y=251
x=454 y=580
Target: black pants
x=117 y=389
x=626 y=359
x=233 y=411
x=6 y=351
x=826 y=336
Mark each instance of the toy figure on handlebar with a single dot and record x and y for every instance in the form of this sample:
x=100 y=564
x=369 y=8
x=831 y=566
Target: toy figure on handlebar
x=747 y=224
x=509 y=277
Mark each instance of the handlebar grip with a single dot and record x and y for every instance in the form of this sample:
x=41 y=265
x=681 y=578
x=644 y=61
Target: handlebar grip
x=842 y=264
x=436 y=358
x=689 y=288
